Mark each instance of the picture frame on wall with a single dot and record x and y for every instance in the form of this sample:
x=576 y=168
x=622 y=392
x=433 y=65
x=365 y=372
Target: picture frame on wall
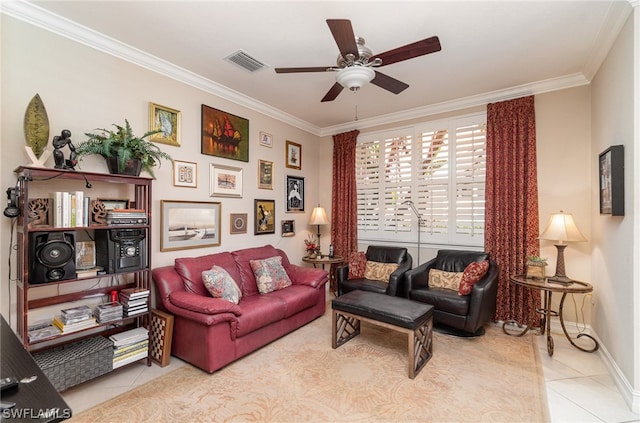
x=264 y=217
x=611 y=178
x=168 y=121
x=185 y=174
x=294 y=190
x=265 y=174
x=224 y=134
x=288 y=228
x=294 y=155
x=225 y=181
x=189 y=224
x=266 y=140
x=238 y=223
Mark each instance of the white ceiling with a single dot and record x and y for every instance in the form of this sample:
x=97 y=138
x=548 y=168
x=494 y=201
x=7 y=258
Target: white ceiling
x=490 y=49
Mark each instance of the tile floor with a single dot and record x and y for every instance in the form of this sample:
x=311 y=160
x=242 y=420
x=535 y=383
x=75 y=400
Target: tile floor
x=579 y=388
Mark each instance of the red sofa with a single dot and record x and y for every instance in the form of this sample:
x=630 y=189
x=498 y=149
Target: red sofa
x=211 y=332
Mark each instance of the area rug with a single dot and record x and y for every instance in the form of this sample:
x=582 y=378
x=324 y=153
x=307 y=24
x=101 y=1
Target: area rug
x=300 y=378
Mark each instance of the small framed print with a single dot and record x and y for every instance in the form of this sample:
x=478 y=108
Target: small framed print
x=294 y=155
x=295 y=194
x=168 y=121
x=185 y=174
x=265 y=217
x=611 y=172
x=266 y=140
x=238 y=223
x=225 y=181
x=265 y=174
x=114 y=203
x=288 y=228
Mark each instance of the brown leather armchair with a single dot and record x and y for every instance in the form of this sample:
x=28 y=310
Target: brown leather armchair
x=381 y=254
x=463 y=315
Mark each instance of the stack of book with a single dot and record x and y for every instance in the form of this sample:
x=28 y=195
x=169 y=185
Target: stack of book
x=74 y=319
x=129 y=346
x=108 y=312
x=42 y=330
x=134 y=301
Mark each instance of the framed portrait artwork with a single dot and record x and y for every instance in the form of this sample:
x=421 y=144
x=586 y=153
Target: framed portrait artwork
x=224 y=135
x=288 y=228
x=225 y=181
x=611 y=172
x=238 y=223
x=189 y=224
x=294 y=190
x=265 y=174
x=166 y=120
x=185 y=174
x=264 y=217
x=294 y=155
x=266 y=140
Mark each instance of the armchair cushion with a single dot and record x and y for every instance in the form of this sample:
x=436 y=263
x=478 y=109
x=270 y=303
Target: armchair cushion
x=447 y=280
x=471 y=275
x=379 y=271
x=357 y=265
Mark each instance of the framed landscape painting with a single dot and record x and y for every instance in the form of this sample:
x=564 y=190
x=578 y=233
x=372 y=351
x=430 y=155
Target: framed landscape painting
x=224 y=135
x=226 y=181
x=189 y=224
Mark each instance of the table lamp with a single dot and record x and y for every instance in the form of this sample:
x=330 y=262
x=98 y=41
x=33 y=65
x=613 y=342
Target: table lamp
x=318 y=217
x=561 y=228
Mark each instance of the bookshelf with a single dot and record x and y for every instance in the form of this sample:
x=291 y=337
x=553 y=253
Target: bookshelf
x=48 y=280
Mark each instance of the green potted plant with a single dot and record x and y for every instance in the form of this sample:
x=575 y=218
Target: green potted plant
x=124 y=152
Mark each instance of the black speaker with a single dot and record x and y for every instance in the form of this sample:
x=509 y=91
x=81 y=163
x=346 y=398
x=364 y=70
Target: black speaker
x=52 y=257
x=121 y=250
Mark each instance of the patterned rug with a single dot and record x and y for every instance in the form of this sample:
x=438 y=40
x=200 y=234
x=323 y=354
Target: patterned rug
x=300 y=378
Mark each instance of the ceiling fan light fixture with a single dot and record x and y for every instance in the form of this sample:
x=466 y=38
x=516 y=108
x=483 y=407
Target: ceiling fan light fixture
x=355 y=77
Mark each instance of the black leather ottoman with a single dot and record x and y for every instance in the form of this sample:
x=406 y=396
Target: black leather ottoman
x=410 y=317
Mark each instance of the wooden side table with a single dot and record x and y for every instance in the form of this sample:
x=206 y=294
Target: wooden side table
x=547 y=289
x=322 y=260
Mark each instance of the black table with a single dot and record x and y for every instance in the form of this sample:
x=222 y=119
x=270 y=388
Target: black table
x=37 y=401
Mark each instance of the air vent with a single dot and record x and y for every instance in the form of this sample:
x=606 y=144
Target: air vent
x=245 y=61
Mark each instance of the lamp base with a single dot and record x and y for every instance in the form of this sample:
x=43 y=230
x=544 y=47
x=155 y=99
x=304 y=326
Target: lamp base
x=560 y=280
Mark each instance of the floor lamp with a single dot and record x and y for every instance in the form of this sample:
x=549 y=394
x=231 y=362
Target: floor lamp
x=420 y=223
x=561 y=228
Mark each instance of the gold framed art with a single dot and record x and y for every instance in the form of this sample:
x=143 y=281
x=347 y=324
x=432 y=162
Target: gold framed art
x=168 y=121
x=294 y=155
x=265 y=174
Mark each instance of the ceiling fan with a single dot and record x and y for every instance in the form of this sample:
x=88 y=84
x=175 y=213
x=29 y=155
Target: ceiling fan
x=356 y=60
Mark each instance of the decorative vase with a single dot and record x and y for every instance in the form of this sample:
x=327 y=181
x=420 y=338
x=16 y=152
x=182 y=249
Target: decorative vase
x=132 y=167
x=536 y=270
x=312 y=255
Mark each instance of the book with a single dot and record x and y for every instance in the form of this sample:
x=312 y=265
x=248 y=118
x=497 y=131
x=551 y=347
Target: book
x=77 y=311
x=131 y=359
x=79 y=209
x=131 y=313
x=132 y=293
x=56 y=200
x=129 y=336
x=73 y=327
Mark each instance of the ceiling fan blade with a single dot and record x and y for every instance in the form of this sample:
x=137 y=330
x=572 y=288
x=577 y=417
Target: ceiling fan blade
x=419 y=48
x=342 y=32
x=389 y=83
x=307 y=69
x=333 y=92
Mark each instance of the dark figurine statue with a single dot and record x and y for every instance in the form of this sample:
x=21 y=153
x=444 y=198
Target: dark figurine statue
x=59 y=141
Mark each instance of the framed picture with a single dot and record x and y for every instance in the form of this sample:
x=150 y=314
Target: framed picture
x=265 y=174
x=225 y=181
x=611 y=171
x=294 y=155
x=288 y=228
x=168 y=121
x=189 y=224
x=265 y=217
x=185 y=174
x=114 y=203
x=224 y=135
x=294 y=190
x=266 y=140
x=238 y=223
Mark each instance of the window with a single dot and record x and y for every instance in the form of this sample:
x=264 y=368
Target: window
x=440 y=166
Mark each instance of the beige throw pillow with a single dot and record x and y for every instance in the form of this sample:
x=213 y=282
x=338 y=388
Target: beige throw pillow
x=446 y=280
x=379 y=271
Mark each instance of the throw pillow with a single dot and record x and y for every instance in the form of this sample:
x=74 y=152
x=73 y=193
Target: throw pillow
x=379 y=271
x=447 y=280
x=221 y=285
x=357 y=265
x=270 y=275
x=471 y=275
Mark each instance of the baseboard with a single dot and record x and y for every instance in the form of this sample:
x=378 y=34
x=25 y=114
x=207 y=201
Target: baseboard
x=631 y=396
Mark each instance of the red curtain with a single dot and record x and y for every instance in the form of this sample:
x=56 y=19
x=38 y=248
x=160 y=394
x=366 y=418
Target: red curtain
x=344 y=206
x=511 y=230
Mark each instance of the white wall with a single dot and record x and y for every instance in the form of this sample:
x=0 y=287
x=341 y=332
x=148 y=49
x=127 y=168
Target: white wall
x=83 y=89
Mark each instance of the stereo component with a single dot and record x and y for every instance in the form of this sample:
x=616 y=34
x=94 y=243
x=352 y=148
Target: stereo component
x=52 y=257
x=120 y=250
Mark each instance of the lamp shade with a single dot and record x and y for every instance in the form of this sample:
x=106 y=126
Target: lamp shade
x=318 y=217
x=562 y=228
x=354 y=77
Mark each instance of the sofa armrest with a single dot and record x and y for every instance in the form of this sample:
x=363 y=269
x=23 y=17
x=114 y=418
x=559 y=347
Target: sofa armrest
x=309 y=276
x=483 y=297
x=205 y=305
x=418 y=277
x=397 y=278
